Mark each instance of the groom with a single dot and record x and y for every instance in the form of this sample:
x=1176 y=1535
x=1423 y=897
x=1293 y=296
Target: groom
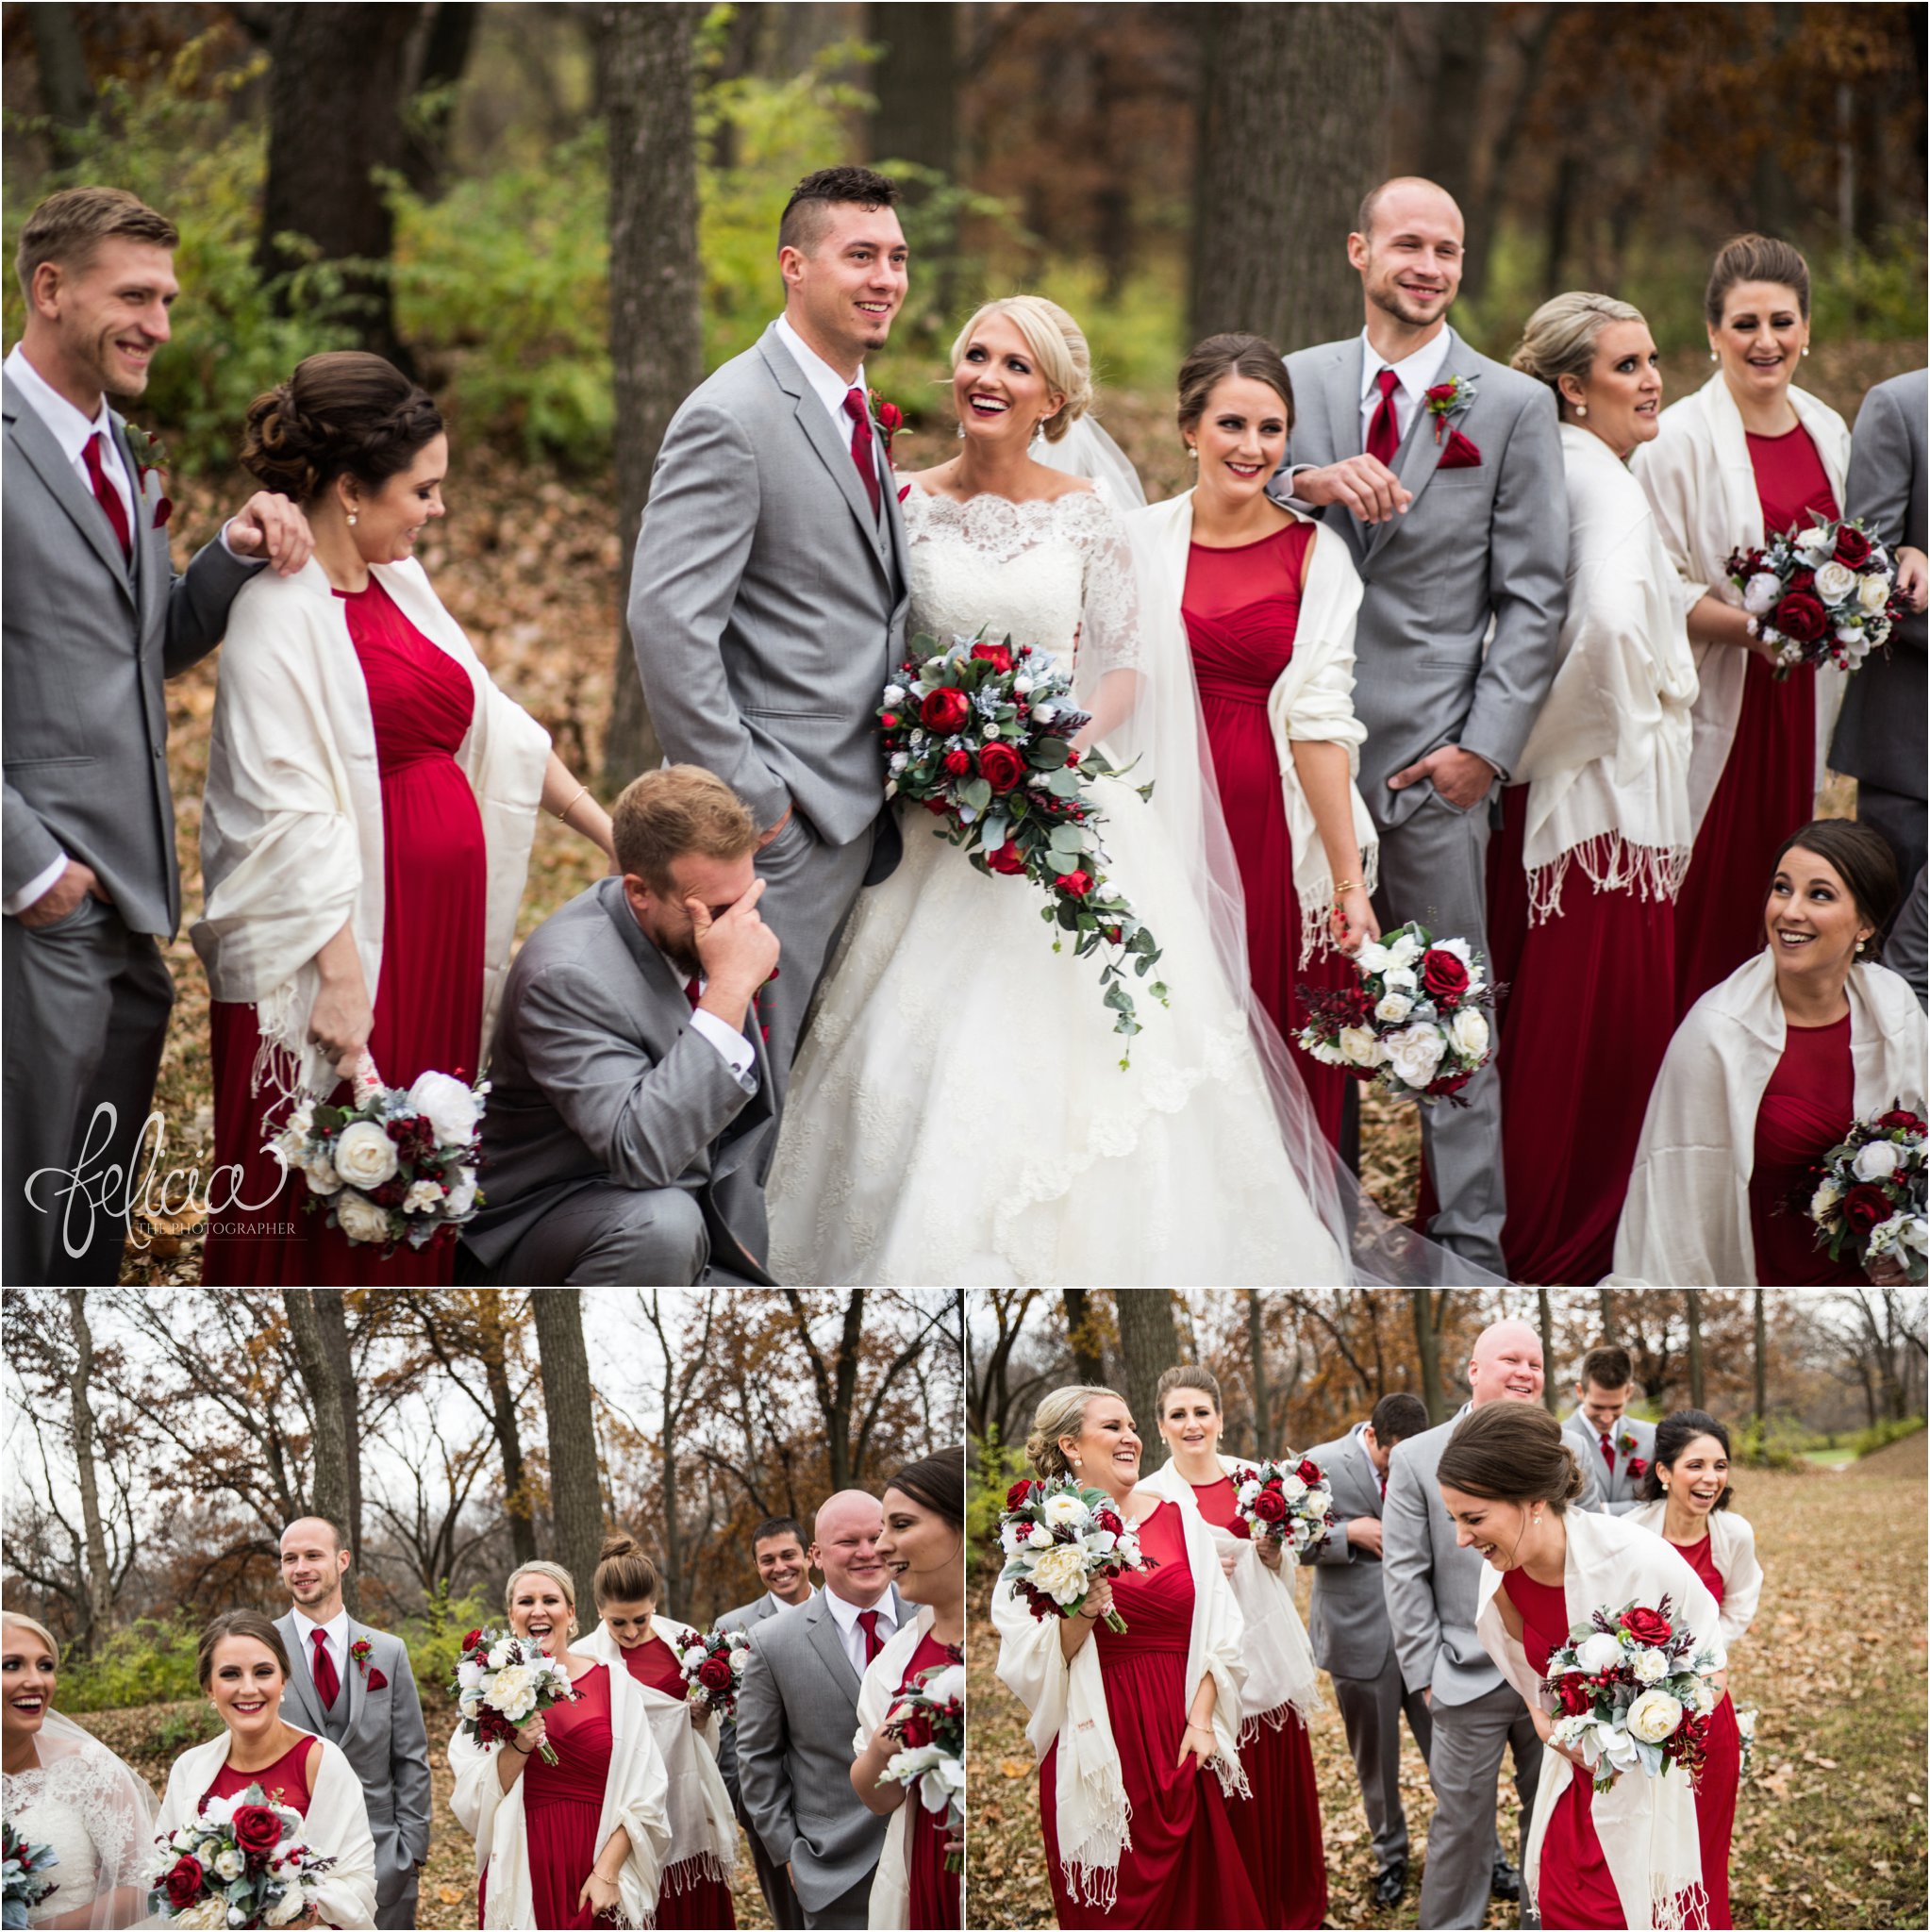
x=767 y=599
x=1443 y=470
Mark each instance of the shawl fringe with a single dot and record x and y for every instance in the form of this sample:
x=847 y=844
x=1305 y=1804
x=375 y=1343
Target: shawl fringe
x=687 y=1874
x=1091 y=1866
x=277 y=1063
x=1315 y=934
x=1277 y=1719
x=1612 y=864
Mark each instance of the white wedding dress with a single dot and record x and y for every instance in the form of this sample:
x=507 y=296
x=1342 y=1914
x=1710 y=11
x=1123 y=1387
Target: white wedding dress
x=957 y=1114
x=97 y=1816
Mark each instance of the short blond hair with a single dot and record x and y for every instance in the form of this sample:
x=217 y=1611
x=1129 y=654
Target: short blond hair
x=676 y=809
x=557 y=1574
x=1560 y=336
x=69 y=227
x=1058 y=344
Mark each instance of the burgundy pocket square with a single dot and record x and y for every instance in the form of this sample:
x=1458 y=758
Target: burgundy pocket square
x=1459 y=454
x=376 y=1680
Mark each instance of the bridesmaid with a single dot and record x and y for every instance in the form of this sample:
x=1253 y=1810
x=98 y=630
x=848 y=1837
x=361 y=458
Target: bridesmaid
x=1767 y=1075
x=370 y=804
x=695 y=1888
x=1125 y=1731
x=1748 y=455
x=1686 y=1500
x=1268 y=601
x=561 y=1844
x=1601 y=791
x=1279 y=1824
x=924 y=1547
x=243 y=1668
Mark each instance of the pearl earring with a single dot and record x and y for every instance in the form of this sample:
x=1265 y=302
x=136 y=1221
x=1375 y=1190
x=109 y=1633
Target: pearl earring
x=1192 y=455
x=1806 y=348
x=1714 y=356
x=1581 y=408
x=351 y=519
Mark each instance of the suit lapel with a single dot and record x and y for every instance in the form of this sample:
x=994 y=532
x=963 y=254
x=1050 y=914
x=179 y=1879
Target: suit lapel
x=1420 y=454
x=828 y=1644
x=147 y=579
x=834 y=452
x=301 y=1678
x=1340 y=396
x=353 y=1686
x=35 y=441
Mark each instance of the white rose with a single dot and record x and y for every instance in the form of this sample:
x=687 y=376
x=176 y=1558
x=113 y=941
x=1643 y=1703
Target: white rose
x=453 y=1111
x=469 y=1673
x=1415 y=1054
x=1702 y=1697
x=1872 y=594
x=1064 y=1510
x=1598 y=1651
x=364 y=1155
x=1394 y=1007
x=1818 y=539
x=949 y=1683
x=1917 y=1234
x=899 y=761
x=894 y=694
x=1653 y=1716
x=1468 y=1032
x=1373 y=958
x=1824 y=1198
x=463 y=1195
x=1400 y=978
x=501 y=1652
x=287 y=1908
x=228 y=1863
x=1360 y=1047
x=1292 y=1488
x=513 y=1693
x=1060 y=1573
x=1761 y=593
x=322 y=1178
x=1650 y=1667
x=1834 y=581
x=1038 y=1537
x=359 y=1219
x=1323 y=1051
x=423 y=1197
x=1876 y=1162
x=1406 y=949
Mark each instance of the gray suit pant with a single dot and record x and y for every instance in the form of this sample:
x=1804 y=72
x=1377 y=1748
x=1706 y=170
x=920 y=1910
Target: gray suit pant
x=1370 y=1709
x=850 y=1912
x=87 y=1004
x=809 y=890
x=398 y=1915
x=1434 y=868
x=605 y=1236
x=1464 y=1766
x=1901 y=819
x=786 y=1914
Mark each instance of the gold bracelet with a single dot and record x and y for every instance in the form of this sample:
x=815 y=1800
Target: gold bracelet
x=1344 y=886
x=564 y=814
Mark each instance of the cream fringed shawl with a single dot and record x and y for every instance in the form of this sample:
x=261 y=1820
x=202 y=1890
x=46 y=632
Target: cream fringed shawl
x=1685 y=1222
x=890 y=1892
x=1732 y=1544
x=292 y=843
x=335 y=1824
x=1646 y=1825
x=634 y=1795
x=1606 y=765
x=1067 y=1702
x=1281 y=1675
x=1699 y=477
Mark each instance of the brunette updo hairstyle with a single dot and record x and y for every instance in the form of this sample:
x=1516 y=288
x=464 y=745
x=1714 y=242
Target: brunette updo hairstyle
x=1673 y=1434
x=237 y=1624
x=935 y=1483
x=1756 y=258
x=1512 y=1452
x=1189 y=1375
x=341 y=412
x=1061 y=1413
x=1211 y=361
x=1863 y=861
x=624 y=1574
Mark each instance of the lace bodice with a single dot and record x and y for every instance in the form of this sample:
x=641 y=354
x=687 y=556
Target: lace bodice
x=79 y=1810
x=1057 y=574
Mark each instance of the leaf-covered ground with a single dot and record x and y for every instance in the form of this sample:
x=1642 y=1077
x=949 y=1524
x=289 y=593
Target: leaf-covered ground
x=1831 y=1833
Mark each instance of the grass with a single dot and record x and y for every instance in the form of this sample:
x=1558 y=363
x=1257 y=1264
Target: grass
x=1831 y=1831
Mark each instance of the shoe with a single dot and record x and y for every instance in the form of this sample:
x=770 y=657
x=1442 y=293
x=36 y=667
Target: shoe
x=1391 y=1883
x=1507 y=1882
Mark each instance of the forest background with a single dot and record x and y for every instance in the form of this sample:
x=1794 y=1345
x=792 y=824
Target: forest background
x=559 y=217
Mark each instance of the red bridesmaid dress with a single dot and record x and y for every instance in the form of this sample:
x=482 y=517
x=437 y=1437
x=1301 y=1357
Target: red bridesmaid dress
x=936 y=1905
x=1279 y=1827
x=1806 y=1108
x=1184 y=1866
x=1768 y=787
x=1576 y=1890
x=1588 y=1015
x=688 y=1899
x=1721 y=1768
x=1242 y=608
x=428 y=1005
x=285 y=1781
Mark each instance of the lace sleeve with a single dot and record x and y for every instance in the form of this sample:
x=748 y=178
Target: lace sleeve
x=1109 y=616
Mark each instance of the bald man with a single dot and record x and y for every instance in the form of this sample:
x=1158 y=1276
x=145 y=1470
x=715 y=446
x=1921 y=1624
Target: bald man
x=1433 y=1590
x=798 y=1709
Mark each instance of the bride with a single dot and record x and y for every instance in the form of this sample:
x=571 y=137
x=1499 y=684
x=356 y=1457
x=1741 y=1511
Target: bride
x=959 y=1112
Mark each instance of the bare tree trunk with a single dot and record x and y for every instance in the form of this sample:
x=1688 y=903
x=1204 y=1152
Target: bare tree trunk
x=431 y=116
x=915 y=82
x=1256 y=1348
x=100 y=1583
x=1088 y=1362
x=1604 y=1301
x=1276 y=189
x=1149 y=1342
x=1545 y=1309
x=576 y=1492
x=66 y=89
x=331 y=1404
x=1761 y=1364
x=1427 y=1347
x=656 y=337
x=1695 y=1378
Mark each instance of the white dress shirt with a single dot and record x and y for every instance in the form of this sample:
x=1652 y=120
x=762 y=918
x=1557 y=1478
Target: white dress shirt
x=846 y=1616
x=1418 y=373
x=829 y=387
x=1380 y=1482
x=336 y=1633
x=727 y=1040
x=778 y=1606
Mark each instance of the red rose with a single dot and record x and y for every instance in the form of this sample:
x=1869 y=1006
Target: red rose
x=1001 y=767
x=1804 y=580
x=945 y=709
x=257 y=1830
x=1638 y=1468
x=1015 y=1496
x=184 y=1881
x=958 y=762
x=1238 y=1527
x=890 y=418
x=998 y=656
x=1853 y=547
x=1864 y=1206
x=714 y=1674
x=1110 y=1523
x=936 y=806
x=1575 y=1696
x=1801 y=616
x=1309 y=1472
x=1441 y=393
x=471 y=1641
x=1443 y=977
x=889 y=719
x=1646 y=1625
x=1075 y=884
x=1270 y=1505
x=1900 y=1120
x=915 y=1730
x=1115 y=934
x=1008 y=858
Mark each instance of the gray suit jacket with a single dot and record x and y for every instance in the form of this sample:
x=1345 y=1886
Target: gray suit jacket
x=1489 y=542
x=598 y=1076
x=1348 y=1619
x=1616 y=1493
x=89 y=640
x=767 y=603
x=746 y=1617
x=381 y=1731
x=1879 y=735
x=795 y=1716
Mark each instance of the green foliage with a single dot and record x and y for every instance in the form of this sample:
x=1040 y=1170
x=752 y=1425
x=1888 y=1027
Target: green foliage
x=149 y=1661
x=997 y=1467
x=1891 y=1429
x=1876 y=292
x=434 y=1638
x=1778 y=1446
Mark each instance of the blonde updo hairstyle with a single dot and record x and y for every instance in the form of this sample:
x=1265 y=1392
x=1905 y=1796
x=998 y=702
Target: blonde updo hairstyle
x=557 y=1574
x=38 y=1629
x=1061 y=1413
x=1057 y=345
x=1561 y=334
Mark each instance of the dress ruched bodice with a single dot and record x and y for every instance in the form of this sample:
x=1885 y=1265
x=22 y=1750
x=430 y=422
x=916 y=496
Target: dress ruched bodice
x=1241 y=611
x=1156 y=1604
x=286 y=1781
x=1808 y=1107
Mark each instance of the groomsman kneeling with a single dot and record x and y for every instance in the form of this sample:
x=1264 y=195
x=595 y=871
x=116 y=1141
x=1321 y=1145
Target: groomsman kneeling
x=632 y=1114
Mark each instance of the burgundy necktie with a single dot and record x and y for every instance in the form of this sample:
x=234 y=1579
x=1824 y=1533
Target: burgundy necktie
x=868 y=1620
x=1608 y=1454
x=861 y=445
x=1384 y=432
x=106 y=495
x=326 y=1683
x=693 y=992
x=1383 y=1489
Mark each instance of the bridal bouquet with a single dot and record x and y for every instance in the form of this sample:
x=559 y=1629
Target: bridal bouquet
x=980 y=734
x=1826 y=592
x=1416 y=1025
x=713 y=1667
x=1870 y=1202
x=22 y=1888
x=929 y=1722
x=1058 y=1535
x=244 y=1861
x=1630 y=1692
x=501 y=1680
x=1289 y=1500
x=398 y=1165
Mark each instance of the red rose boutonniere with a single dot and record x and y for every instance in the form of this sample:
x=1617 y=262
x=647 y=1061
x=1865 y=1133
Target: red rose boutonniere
x=360 y=1652
x=150 y=459
x=1449 y=401
x=887 y=416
